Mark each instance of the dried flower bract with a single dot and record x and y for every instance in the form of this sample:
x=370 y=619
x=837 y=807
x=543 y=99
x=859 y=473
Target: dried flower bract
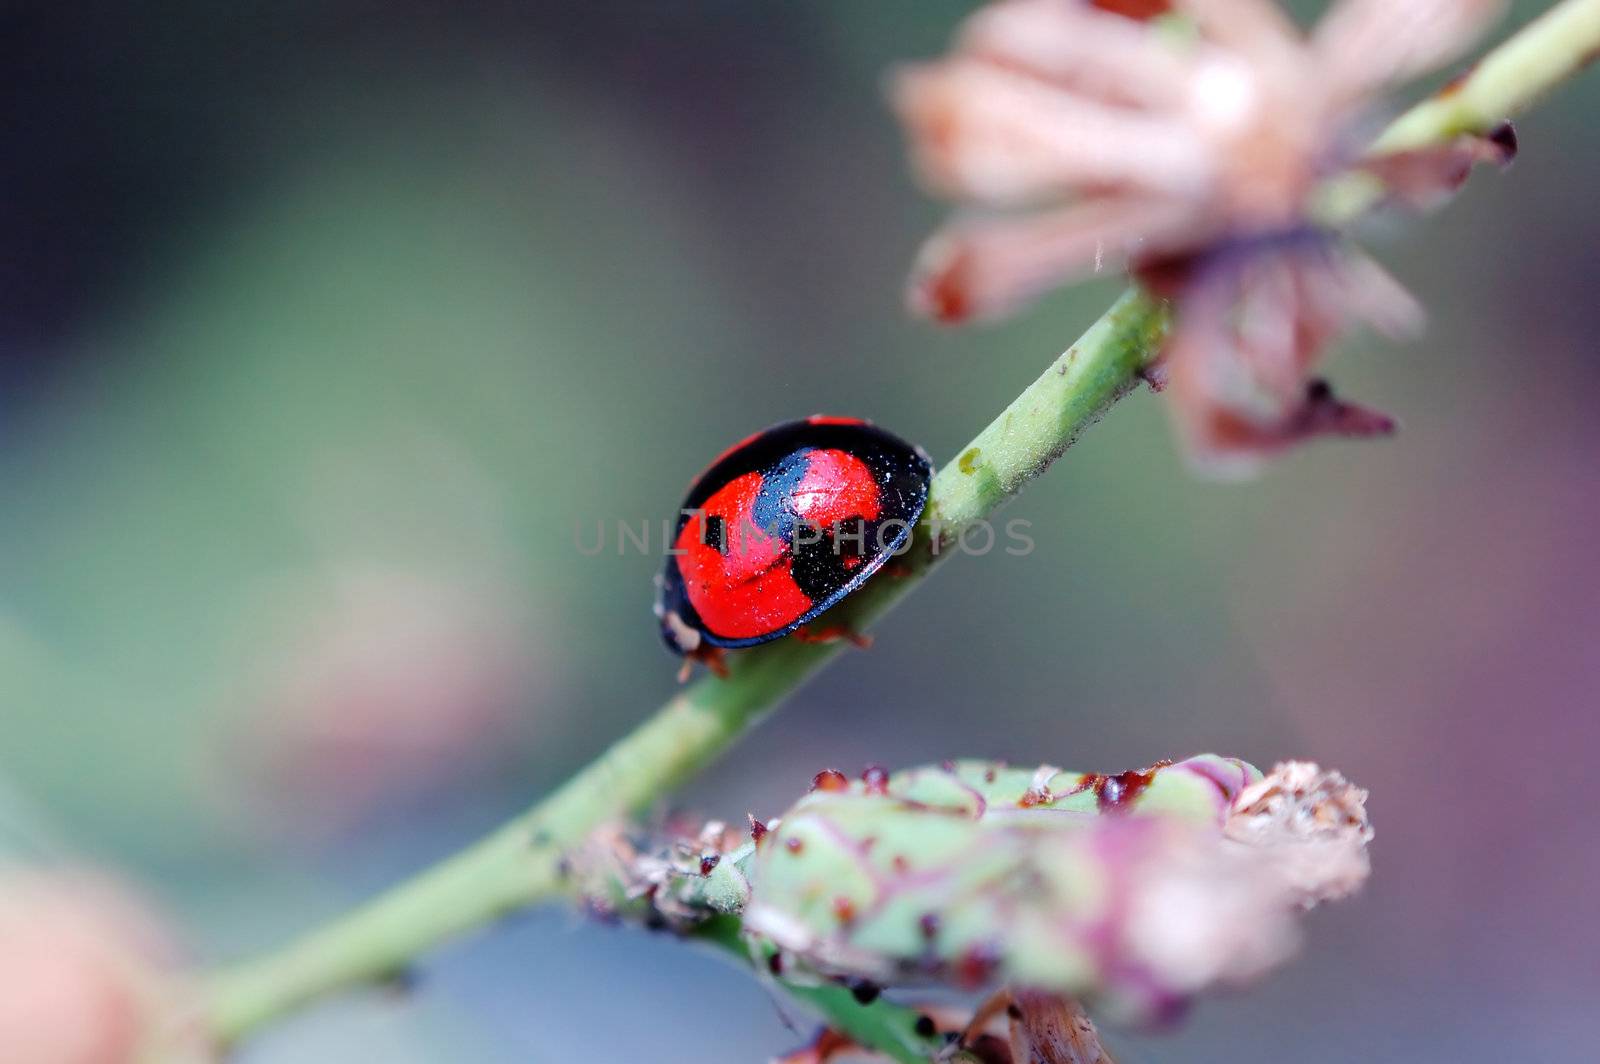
x=1186 y=142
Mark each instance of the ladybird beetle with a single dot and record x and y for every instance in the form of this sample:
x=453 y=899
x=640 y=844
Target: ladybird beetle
x=782 y=526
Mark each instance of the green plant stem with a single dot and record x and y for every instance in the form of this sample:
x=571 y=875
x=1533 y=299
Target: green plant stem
x=1517 y=74
x=1510 y=79
x=520 y=863
x=888 y=1027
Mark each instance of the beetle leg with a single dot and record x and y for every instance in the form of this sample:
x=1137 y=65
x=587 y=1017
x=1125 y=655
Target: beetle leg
x=713 y=658
x=808 y=633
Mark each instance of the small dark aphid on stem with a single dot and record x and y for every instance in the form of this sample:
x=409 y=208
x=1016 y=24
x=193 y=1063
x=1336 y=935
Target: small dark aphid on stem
x=864 y=992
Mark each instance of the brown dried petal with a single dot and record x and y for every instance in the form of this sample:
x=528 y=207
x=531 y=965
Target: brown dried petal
x=1052 y=1029
x=1106 y=56
x=984 y=269
x=1252 y=324
x=1223 y=444
x=1312 y=824
x=1360 y=290
x=1424 y=178
x=983 y=132
x=1364 y=45
x=1258 y=29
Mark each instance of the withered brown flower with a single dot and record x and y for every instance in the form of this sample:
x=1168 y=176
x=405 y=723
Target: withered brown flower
x=1184 y=140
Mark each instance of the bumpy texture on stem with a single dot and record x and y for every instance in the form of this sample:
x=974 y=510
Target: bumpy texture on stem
x=519 y=863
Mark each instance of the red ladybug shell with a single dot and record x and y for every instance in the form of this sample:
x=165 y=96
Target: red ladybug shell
x=785 y=524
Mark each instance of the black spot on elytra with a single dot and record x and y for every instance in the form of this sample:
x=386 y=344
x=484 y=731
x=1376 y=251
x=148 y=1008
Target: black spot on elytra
x=715 y=533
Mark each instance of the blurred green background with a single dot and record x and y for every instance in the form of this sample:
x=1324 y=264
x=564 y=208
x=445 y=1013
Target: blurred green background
x=323 y=326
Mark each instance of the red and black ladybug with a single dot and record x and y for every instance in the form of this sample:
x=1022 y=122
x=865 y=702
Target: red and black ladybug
x=782 y=526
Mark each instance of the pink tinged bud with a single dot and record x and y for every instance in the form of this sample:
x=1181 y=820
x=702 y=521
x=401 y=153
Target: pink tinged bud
x=79 y=971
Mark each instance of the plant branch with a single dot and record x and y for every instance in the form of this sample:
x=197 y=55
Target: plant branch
x=520 y=863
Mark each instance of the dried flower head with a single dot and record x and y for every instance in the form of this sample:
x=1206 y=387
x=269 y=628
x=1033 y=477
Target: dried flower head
x=1135 y=891
x=1312 y=823
x=1184 y=140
